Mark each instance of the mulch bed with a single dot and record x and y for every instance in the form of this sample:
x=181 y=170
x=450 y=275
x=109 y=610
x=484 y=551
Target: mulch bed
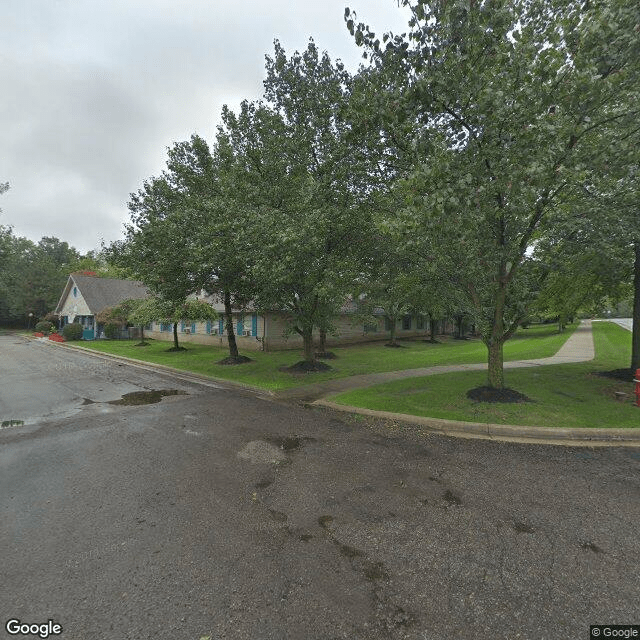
x=624 y=375
x=489 y=394
x=307 y=367
x=394 y=345
x=326 y=355
x=233 y=360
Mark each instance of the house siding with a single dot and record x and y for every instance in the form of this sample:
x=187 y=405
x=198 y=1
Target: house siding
x=73 y=307
x=348 y=331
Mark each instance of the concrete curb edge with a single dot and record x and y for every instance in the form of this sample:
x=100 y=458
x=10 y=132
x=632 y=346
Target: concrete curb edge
x=501 y=432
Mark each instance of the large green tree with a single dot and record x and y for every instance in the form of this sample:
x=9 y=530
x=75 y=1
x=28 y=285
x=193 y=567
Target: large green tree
x=508 y=93
x=32 y=275
x=222 y=234
x=158 y=249
x=296 y=173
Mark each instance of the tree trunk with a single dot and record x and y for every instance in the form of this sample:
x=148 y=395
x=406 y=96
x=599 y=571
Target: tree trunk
x=175 y=336
x=307 y=339
x=323 y=340
x=228 y=318
x=635 y=327
x=495 y=343
x=141 y=333
x=392 y=330
x=496 y=367
x=460 y=325
x=432 y=328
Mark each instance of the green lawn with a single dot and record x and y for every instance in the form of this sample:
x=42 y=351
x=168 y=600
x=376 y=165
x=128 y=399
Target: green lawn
x=563 y=395
x=264 y=372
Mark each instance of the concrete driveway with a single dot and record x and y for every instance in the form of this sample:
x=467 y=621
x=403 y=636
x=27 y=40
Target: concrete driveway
x=224 y=515
x=625 y=323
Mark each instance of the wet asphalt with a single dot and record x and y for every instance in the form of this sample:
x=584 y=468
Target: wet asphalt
x=219 y=514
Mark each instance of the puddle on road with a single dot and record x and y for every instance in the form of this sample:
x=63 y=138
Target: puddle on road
x=146 y=397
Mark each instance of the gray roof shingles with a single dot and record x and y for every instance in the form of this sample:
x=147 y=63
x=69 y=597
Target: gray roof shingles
x=107 y=292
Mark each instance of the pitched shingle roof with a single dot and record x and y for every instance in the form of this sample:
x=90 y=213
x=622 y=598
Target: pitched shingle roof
x=99 y=293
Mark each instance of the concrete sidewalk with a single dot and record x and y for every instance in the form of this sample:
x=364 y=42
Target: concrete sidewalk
x=578 y=348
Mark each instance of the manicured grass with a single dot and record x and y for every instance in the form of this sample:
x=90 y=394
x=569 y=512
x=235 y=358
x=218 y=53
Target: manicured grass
x=568 y=395
x=264 y=372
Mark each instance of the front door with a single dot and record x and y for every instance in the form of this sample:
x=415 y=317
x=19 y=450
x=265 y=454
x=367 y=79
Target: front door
x=88 y=329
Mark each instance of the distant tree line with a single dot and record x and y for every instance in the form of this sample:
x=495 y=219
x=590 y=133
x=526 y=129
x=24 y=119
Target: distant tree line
x=33 y=275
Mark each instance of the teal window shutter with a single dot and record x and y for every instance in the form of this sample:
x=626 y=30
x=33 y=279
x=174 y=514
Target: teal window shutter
x=182 y=326
x=240 y=325
x=193 y=327
x=208 y=326
x=220 y=326
x=254 y=324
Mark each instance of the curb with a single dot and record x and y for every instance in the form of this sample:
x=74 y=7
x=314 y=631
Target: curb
x=578 y=437
x=187 y=376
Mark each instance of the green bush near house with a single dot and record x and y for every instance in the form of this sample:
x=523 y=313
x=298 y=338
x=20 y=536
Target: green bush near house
x=44 y=326
x=72 y=331
x=112 y=330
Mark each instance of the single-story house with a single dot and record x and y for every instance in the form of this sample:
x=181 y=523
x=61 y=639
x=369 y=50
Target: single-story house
x=87 y=295
x=269 y=331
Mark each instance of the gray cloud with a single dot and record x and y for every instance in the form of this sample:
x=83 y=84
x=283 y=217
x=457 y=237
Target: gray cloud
x=94 y=93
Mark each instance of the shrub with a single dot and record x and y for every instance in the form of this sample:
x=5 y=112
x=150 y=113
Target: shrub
x=72 y=331
x=44 y=326
x=112 y=330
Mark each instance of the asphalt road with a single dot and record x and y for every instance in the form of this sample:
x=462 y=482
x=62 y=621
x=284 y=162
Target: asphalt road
x=224 y=515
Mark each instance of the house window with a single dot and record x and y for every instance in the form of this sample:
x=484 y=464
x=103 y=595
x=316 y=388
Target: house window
x=370 y=327
x=420 y=322
x=75 y=292
x=406 y=323
x=387 y=324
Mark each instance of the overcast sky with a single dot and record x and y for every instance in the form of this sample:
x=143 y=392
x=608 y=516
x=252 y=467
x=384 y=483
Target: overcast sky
x=94 y=91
